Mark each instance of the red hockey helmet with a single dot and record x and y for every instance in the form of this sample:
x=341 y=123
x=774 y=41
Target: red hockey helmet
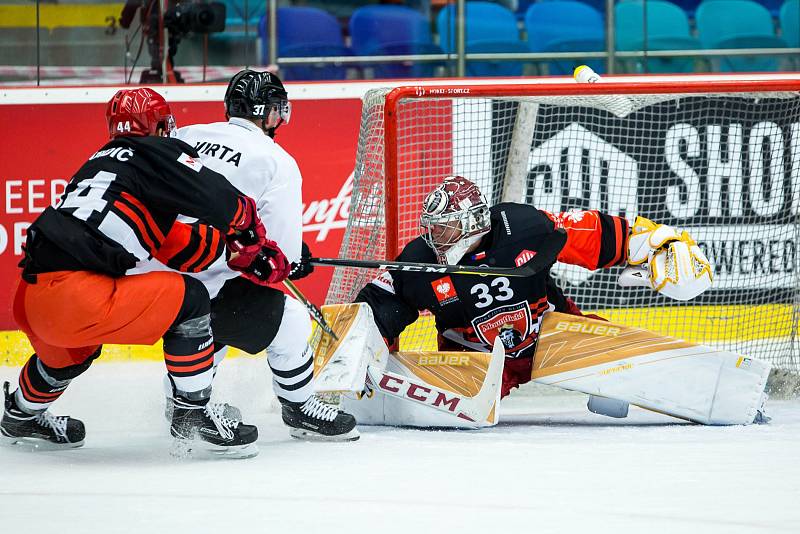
x=454 y=217
x=138 y=112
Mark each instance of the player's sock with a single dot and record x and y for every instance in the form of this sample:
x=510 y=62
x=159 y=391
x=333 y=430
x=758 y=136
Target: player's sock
x=38 y=388
x=41 y=429
x=292 y=376
x=314 y=420
x=228 y=410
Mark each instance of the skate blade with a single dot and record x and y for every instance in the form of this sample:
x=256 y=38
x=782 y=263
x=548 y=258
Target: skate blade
x=197 y=449
x=761 y=418
x=309 y=435
x=37 y=444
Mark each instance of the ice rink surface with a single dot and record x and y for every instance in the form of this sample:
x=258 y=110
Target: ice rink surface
x=550 y=466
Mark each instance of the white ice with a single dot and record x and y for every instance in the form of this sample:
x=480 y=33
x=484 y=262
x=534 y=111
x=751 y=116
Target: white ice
x=551 y=466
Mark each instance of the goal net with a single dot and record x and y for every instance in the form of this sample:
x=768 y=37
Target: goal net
x=720 y=159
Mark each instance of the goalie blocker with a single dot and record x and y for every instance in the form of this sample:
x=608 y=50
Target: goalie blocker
x=615 y=364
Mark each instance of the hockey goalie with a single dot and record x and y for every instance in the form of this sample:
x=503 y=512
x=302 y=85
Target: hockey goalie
x=497 y=332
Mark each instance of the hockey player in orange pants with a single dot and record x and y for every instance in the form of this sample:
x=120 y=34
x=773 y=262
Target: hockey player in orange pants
x=75 y=295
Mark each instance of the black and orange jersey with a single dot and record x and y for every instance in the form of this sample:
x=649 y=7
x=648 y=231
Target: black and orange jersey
x=474 y=310
x=191 y=247
x=121 y=204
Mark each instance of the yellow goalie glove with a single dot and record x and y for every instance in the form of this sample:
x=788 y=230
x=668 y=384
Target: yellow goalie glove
x=666 y=260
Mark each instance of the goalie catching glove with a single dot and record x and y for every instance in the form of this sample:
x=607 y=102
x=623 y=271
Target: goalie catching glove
x=668 y=261
x=268 y=266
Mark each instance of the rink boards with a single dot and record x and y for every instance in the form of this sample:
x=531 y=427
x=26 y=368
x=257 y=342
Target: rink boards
x=750 y=327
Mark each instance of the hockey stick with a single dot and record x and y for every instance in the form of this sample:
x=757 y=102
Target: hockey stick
x=546 y=255
x=315 y=312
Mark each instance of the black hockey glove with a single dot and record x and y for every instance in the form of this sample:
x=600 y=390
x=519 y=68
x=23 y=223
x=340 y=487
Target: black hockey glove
x=302 y=268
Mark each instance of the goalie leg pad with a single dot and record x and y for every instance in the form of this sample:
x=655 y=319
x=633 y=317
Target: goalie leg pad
x=664 y=374
x=433 y=389
x=341 y=365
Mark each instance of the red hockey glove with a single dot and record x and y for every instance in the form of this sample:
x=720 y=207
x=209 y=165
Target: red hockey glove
x=247 y=234
x=269 y=266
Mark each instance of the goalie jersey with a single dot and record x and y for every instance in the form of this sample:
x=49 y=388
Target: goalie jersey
x=122 y=203
x=474 y=310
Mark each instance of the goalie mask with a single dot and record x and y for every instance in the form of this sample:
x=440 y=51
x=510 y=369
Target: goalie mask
x=138 y=112
x=454 y=217
x=258 y=95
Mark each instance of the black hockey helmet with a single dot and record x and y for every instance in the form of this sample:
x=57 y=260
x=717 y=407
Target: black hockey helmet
x=253 y=95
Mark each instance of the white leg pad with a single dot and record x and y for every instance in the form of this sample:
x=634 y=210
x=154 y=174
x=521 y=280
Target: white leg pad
x=446 y=390
x=694 y=382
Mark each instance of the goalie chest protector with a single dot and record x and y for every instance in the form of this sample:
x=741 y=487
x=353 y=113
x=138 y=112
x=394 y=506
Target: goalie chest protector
x=485 y=307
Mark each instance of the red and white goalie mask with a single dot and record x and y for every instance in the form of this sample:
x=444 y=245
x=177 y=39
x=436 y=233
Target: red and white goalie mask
x=454 y=217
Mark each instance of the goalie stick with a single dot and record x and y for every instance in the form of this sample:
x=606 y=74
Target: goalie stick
x=315 y=312
x=546 y=255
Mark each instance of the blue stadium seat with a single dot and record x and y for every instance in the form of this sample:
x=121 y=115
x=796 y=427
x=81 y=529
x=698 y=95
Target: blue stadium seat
x=490 y=28
x=738 y=24
x=667 y=29
x=240 y=15
x=599 y=5
x=393 y=30
x=773 y=6
x=239 y=11
x=306 y=32
x=689 y=6
x=790 y=22
x=566 y=26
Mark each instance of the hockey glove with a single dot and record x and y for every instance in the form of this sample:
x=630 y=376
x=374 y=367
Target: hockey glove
x=269 y=266
x=667 y=260
x=247 y=234
x=302 y=268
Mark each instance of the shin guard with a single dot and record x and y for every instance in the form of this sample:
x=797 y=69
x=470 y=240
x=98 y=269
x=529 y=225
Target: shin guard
x=40 y=385
x=189 y=344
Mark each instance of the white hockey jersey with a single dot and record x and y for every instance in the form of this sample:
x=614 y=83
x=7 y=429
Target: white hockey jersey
x=261 y=169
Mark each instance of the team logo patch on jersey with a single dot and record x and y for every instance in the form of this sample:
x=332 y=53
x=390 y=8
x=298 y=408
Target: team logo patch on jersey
x=445 y=290
x=524 y=257
x=193 y=163
x=512 y=324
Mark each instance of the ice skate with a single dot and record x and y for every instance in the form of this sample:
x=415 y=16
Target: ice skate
x=313 y=420
x=42 y=430
x=205 y=428
x=229 y=412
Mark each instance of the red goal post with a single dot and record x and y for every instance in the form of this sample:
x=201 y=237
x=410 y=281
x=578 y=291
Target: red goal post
x=717 y=155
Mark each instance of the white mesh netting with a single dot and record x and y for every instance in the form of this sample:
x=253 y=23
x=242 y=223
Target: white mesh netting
x=725 y=167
